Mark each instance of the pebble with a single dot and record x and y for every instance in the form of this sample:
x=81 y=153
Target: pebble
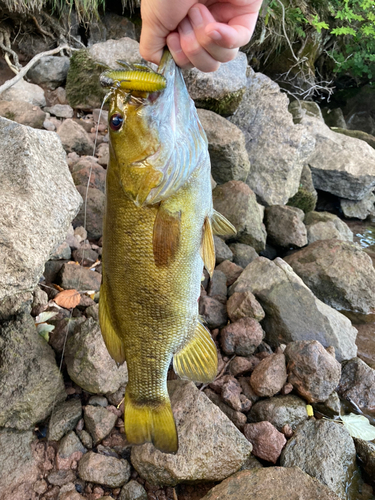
x=133 y=491
x=280 y=411
x=64 y=418
x=108 y=471
x=222 y=251
x=70 y=444
x=241 y=337
x=61 y=477
x=240 y=365
x=99 y=422
x=267 y=441
x=269 y=376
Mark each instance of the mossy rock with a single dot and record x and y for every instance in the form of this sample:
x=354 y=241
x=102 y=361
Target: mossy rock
x=83 y=89
x=225 y=106
x=303 y=199
x=357 y=134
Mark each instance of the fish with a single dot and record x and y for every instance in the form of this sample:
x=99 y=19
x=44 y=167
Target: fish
x=158 y=231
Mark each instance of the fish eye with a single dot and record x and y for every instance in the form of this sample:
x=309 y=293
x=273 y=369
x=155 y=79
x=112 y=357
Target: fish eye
x=116 y=121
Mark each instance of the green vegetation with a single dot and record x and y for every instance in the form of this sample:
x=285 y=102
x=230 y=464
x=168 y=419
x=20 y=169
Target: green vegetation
x=303 y=199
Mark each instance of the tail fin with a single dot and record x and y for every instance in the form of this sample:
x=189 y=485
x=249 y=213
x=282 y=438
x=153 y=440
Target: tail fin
x=146 y=423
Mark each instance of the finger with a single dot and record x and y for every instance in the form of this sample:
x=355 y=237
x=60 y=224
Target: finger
x=174 y=45
x=196 y=54
x=152 y=43
x=229 y=36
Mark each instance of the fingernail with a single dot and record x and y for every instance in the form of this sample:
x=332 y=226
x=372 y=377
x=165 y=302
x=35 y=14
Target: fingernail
x=195 y=17
x=215 y=35
x=185 y=27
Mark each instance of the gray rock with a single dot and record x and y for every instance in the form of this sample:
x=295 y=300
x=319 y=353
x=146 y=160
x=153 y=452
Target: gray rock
x=49 y=71
x=94 y=212
x=25 y=91
x=237 y=202
x=98 y=401
x=306 y=196
x=70 y=444
x=133 y=491
x=30 y=382
x=61 y=477
x=220 y=91
x=18 y=466
x=314 y=440
x=89 y=363
x=213 y=312
x=103 y=154
x=276 y=164
x=341 y=165
x=23 y=113
x=334 y=117
x=217 y=286
x=285 y=227
x=280 y=410
x=32 y=225
x=359 y=209
x=222 y=251
x=366 y=453
x=299 y=109
x=64 y=418
x=210 y=446
x=100 y=469
x=60 y=110
x=357 y=134
x=243 y=254
x=242 y=305
x=226 y=145
x=40 y=301
x=74 y=138
x=99 y=422
x=331 y=406
x=62 y=252
x=292 y=311
x=270 y=483
x=358 y=384
x=78 y=277
x=109 y=52
x=338 y=272
x=85 y=438
x=326 y=226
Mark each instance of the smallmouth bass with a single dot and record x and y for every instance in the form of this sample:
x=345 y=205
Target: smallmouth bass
x=157 y=234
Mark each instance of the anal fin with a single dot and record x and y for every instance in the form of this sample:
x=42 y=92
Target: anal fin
x=197 y=361
x=111 y=339
x=166 y=236
x=221 y=226
x=208 y=247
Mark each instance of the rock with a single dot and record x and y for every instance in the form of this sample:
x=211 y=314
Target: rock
x=100 y=469
x=269 y=376
x=23 y=113
x=61 y=477
x=357 y=134
x=94 y=213
x=230 y=270
x=64 y=418
x=213 y=312
x=226 y=145
x=30 y=382
x=241 y=337
x=366 y=453
x=60 y=110
x=103 y=154
x=93 y=312
x=111 y=51
x=18 y=465
x=334 y=117
x=299 y=109
x=285 y=319
x=331 y=407
x=133 y=491
x=237 y=202
x=242 y=254
x=314 y=440
x=84 y=170
x=70 y=444
x=267 y=441
x=341 y=165
x=74 y=138
x=240 y=365
x=222 y=251
x=78 y=277
x=313 y=372
x=40 y=301
x=285 y=227
x=32 y=162
x=270 y=483
x=280 y=411
x=62 y=252
x=49 y=71
x=111 y=26
x=210 y=446
x=326 y=226
x=276 y=165
x=85 y=256
x=217 y=287
x=242 y=305
x=89 y=363
x=306 y=196
x=359 y=209
x=359 y=110
x=358 y=384
x=338 y=272
x=220 y=91
x=99 y=422
x=98 y=401
x=26 y=92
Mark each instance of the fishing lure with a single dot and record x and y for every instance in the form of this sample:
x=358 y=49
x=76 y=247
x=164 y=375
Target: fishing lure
x=136 y=77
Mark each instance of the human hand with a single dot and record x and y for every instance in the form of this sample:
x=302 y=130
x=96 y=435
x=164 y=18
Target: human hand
x=201 y=34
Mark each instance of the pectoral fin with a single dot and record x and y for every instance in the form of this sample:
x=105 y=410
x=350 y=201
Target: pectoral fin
x=208 y=247
x=197 y=361
x=112 y=341
x=221 y=226
x=166 y=236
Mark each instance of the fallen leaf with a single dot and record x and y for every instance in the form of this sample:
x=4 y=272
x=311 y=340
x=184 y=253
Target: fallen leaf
x=59 y=288
x=310 y=410
x=44 y=329
x=44 y=316
x=68 y=299
x=358 y=426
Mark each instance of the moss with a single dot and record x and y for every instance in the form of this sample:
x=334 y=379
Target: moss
x=83 y=89
x=303 y=199
x=10 y=115
x=225 y=106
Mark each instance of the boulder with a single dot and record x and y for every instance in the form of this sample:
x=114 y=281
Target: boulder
x=280 y=411
x=30 y=381
x=357 y=134
x=237 y=202
x=210 y=446
x=292 y=311
x=89 y=363
x=324 y=450
x=326 y=226
x=110 y=51
x=226 y=145
x=359 y=209
x=338 y=272
x=49 y=71
x=276 y=164
x=271 y=483
x=220 y=91
x=38 y=201
x=285 y=227
x=358 y=384
x=23 y=113
x=25 y=91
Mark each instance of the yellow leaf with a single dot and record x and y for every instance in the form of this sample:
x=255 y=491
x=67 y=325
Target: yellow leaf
x=68 y=299
x=310 y=410
x=59 y=288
